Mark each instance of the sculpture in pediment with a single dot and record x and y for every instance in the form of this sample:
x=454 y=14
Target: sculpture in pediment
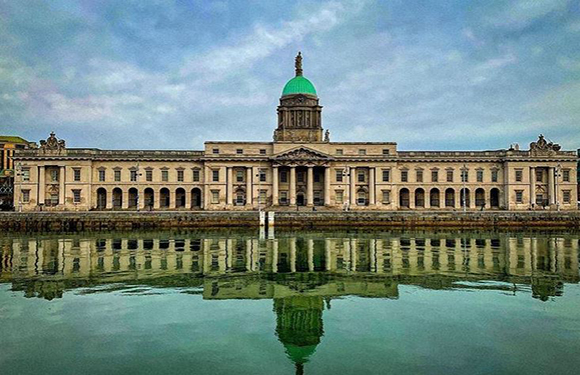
x=52 y=143
x=543 y=147
x=302 y=154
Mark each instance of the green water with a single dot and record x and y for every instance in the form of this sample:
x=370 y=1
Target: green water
x=218 y=302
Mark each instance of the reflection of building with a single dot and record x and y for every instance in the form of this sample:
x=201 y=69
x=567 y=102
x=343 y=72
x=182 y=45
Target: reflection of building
x=299 y=273
x=306 y=265
x=301 y=167
x=8 y=145
x=299 y=326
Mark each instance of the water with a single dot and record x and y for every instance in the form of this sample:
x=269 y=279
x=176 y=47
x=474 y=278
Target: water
x=220 y=302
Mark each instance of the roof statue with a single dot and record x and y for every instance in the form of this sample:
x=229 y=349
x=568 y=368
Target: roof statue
x=52 y=143
x=541 y=146
x=298 y=64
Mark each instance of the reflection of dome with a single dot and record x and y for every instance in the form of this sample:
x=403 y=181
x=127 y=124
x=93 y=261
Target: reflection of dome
x=299 y=326
x=299 y=85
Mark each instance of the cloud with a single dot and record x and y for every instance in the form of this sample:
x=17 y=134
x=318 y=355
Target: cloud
x=450 y=75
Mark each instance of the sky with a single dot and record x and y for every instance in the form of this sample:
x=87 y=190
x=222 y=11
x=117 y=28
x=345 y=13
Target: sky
x=429 y=75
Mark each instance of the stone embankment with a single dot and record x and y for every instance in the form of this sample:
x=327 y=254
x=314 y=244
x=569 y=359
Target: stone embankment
x=96 y=221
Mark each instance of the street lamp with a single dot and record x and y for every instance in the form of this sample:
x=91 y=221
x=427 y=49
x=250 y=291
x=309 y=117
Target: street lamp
x=556 y=176
x=18 y=176
x=463 y=193
x=259 y=189
x=137 y=174
x=346 y=173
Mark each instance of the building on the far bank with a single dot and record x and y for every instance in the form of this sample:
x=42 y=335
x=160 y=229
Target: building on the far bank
x=301 y=167
x=8 y=146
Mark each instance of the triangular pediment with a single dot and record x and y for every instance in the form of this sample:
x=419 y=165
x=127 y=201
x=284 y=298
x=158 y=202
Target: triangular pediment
x=302 y=153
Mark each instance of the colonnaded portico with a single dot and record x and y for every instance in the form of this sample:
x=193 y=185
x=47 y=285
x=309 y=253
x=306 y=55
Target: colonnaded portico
x=301 y=167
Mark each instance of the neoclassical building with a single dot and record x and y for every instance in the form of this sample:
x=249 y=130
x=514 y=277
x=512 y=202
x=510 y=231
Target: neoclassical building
x=301 y=167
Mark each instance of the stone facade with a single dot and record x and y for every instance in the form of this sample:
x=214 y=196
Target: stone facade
x=301 y=167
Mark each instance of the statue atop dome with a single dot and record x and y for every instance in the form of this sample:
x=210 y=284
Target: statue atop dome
x=298 y=64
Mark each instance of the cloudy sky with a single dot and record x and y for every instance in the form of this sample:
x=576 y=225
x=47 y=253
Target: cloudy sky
x=173 y=74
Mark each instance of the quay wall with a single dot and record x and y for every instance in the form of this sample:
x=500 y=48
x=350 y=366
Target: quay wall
x=107 y=221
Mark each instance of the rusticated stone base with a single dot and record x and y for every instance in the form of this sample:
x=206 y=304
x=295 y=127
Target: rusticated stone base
x=96 y=221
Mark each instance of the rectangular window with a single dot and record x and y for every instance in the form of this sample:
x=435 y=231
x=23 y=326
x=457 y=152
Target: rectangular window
x=464 y=176
x=25 y=196
x=283 y=197
x=54 y=175
x=283 y=176
x=76 y=174
x=53 y=200
x=239 y=176
x=449 y=176
x=386 y=175
x=215 y=196
x=339 y=196
x=434 y=176
x=566 y=196
x=519 y=196
x=494 y=176
x=215 y=175
x=180 y=176
x=519 y=175
x=539 y=175
x=196 y=175
x=102 y=175
x=566 y=175
x=386 y=151
x=300 y=176
x=117 y=175
x=339 y=175
x=419 y=176
x=76 y=196
x=262 y=174
x=215 y=151
x=386 y=196
x=165 y=176
x=262 y=196
x=239 y=151
x=262 y=151
x=479 y=175
x=25 y=174
x=134 y=175
x=361 y=176
x=149 y=175
x=362 y=151
x=339 y=151
x=404 y=176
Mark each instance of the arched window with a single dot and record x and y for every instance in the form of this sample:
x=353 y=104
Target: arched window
x=404 y=198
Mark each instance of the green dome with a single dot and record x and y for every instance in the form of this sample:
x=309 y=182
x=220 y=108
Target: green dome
x=299 y=85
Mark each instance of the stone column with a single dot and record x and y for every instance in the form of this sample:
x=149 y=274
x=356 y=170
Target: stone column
x=327 y=186
x=293 y=186
x=532 y=186
x=156 y=199
x=274 y=256
x=310 y=254
x=551 y=186
x=310 y=187
x=274 y=186
x=292 y=254
x=230 y=187
x=125 y=199
x=372 y=198
x=249 y=195
x=61 y=186
x=172 y=197
x=352 y=192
